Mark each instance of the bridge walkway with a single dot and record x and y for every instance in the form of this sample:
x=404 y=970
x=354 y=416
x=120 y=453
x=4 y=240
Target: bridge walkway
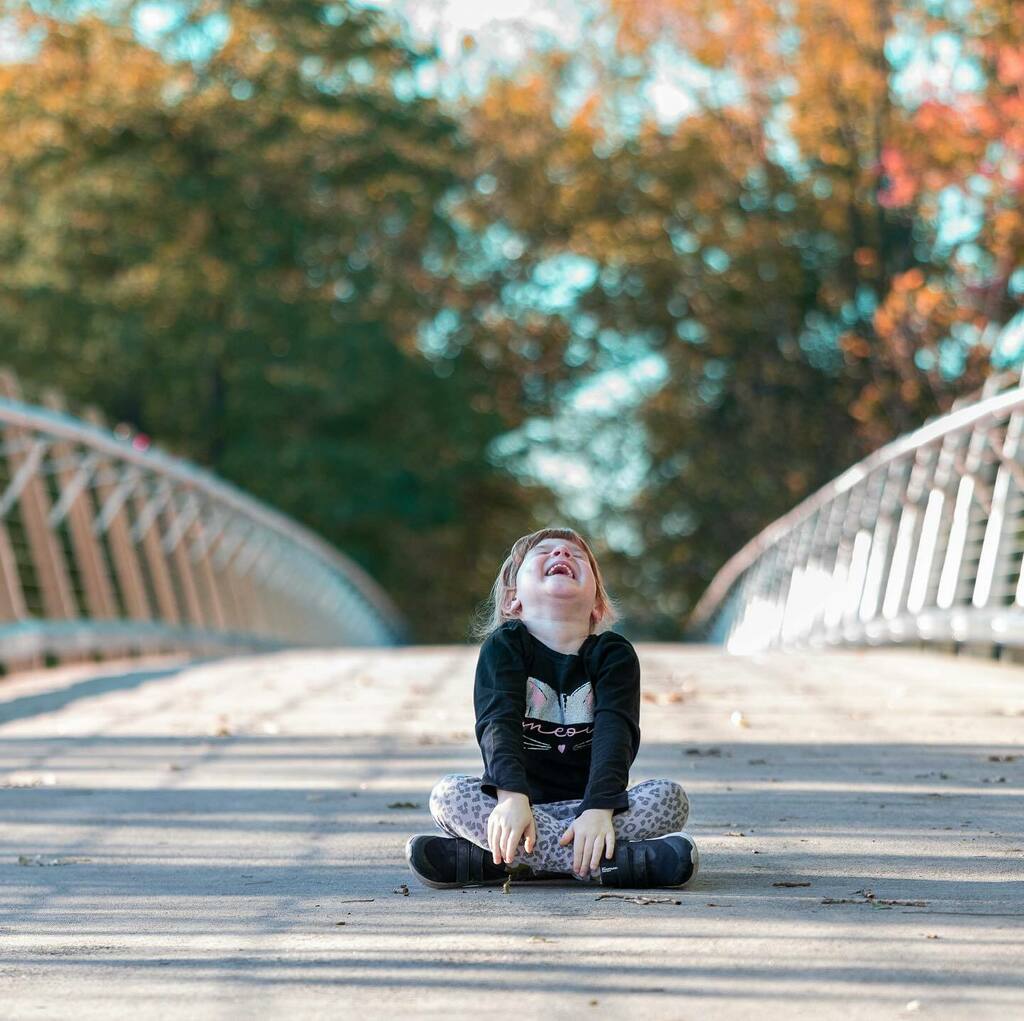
x=224 y=839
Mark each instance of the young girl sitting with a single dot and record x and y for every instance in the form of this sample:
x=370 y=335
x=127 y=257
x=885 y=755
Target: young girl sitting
x=557 y=699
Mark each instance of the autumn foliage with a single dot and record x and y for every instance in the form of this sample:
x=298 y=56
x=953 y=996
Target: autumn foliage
x=268 y=249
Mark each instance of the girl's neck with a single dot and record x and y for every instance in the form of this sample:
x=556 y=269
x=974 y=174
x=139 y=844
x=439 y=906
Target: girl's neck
x=565 y=636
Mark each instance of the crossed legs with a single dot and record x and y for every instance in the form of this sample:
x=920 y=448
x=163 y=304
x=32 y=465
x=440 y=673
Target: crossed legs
x=461 y=809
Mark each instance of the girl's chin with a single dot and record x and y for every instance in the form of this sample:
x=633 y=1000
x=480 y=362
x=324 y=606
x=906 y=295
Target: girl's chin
x=567 y=601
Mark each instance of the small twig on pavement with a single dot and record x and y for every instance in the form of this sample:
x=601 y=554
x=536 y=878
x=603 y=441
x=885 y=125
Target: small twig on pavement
x=870 y=898
x=639 y=899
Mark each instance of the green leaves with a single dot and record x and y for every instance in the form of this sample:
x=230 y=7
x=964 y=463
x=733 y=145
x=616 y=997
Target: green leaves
x=239 y=272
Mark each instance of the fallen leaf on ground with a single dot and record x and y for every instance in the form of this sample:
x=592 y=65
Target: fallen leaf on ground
x=403 y=890
x=787 y=883
x=662 y=697
x=30 y=780
x=507 y=885
x=403 y=804
x=707 y=751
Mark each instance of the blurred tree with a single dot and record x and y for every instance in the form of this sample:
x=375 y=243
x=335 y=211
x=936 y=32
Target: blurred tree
x=803 y=315
x=231 y=252
x=266 y=225
x=958 y=155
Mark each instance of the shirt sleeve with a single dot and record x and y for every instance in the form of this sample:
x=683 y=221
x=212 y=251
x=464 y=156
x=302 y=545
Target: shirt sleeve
x=616 y=679
x=499 y=698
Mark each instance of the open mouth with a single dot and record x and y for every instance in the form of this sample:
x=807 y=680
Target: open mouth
x=559 y=568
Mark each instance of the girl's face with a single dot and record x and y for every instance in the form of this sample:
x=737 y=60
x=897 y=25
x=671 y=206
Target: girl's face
x=555 y=580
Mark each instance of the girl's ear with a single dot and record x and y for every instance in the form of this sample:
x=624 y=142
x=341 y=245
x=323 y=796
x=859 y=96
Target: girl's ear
x=512 y=606
x=596 y=615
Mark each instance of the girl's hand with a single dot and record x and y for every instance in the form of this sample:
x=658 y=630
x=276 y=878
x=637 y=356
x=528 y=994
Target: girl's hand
x=509 y=821
x=592 y=833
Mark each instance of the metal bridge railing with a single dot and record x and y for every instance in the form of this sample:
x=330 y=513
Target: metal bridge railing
x=108 y=547
x=922 y=541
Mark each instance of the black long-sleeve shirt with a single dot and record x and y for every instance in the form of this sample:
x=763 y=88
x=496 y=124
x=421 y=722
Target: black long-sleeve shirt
x=557 y=726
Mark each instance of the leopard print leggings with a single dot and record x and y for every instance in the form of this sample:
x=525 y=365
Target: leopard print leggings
x=461 y=809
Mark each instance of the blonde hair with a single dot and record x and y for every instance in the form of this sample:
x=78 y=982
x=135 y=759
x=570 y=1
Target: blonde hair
x=492 y=612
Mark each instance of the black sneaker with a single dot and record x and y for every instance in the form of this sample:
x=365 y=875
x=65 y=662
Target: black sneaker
x=671 y=860
x=445 y=862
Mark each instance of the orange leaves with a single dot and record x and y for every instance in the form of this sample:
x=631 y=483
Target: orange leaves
x=901 y=184
x=854 y=345
x=1010 y=66
x=586 y=118
x=909 y=281
x=927 y=300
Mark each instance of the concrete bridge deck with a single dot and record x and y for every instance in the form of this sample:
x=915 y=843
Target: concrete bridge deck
x=224 y=840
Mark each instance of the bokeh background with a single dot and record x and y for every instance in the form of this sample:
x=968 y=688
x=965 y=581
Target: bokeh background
x=429 y=275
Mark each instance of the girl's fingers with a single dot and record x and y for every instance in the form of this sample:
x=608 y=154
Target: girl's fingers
x=530 y=838
x=610 y=853
x=579 y=849
x=511 y=839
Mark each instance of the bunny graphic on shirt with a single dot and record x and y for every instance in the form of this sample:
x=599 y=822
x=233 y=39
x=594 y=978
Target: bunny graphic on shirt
x=572 y=714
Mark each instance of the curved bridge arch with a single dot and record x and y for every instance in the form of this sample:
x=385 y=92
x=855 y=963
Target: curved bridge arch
x=109 y=546
x=920 y=542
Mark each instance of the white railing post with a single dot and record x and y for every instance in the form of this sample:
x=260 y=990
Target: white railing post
x=922 y=540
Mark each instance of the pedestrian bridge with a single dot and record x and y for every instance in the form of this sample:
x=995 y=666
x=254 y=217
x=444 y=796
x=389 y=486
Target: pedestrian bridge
x=215 y=826
x=224 y=838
